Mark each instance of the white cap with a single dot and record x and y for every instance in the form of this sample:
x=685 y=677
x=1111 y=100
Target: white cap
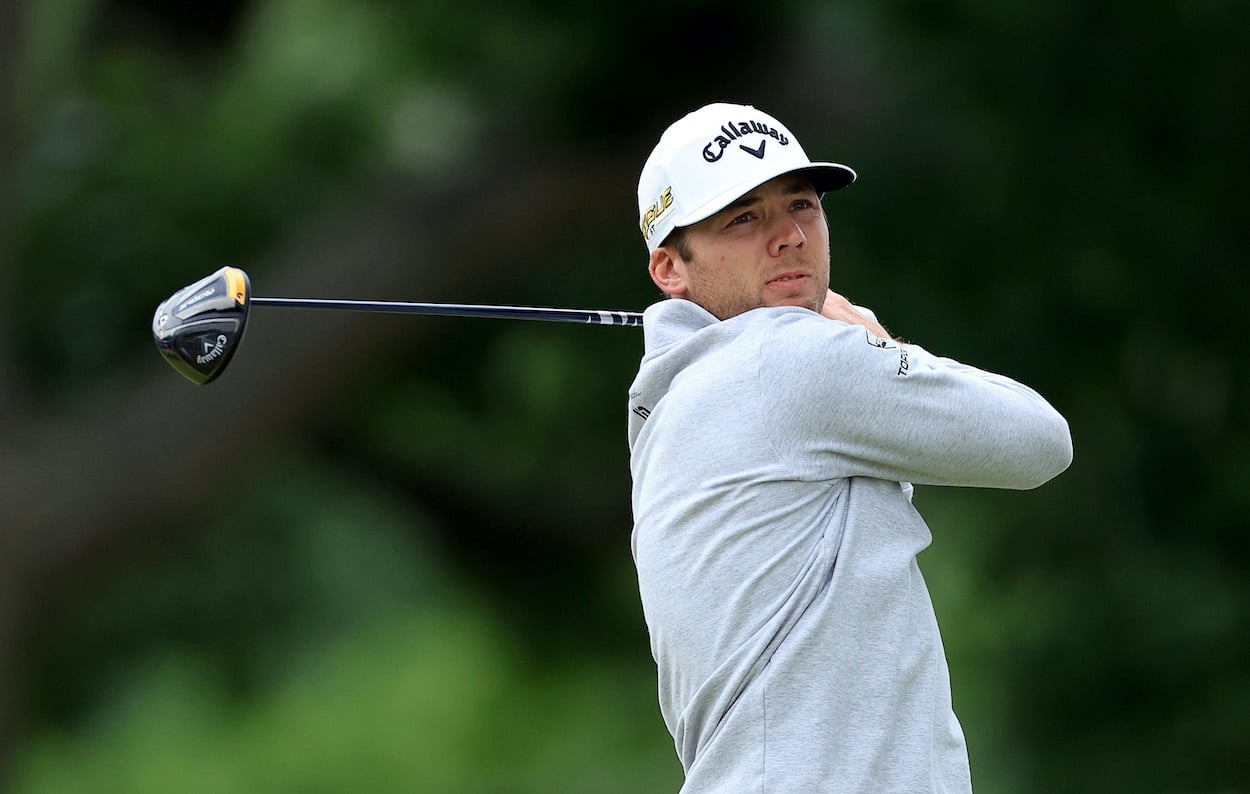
x=713 y=156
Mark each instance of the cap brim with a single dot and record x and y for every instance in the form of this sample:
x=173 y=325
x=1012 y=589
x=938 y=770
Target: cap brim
x=825 y=177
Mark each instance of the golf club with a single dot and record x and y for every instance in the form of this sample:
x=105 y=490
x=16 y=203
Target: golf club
x=199 y=327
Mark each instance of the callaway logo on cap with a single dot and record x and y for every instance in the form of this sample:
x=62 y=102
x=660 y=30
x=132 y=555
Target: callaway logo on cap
x=713 y=156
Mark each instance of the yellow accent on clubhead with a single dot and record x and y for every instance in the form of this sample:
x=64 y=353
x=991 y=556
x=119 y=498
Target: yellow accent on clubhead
x=236 y=284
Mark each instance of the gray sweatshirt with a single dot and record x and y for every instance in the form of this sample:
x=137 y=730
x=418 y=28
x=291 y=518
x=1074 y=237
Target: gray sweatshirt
x=772 y=457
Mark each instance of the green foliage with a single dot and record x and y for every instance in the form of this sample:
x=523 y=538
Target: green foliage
x=317 y=640
x=433 y=699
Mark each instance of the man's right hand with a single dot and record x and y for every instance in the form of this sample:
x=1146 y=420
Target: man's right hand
x=839 y=308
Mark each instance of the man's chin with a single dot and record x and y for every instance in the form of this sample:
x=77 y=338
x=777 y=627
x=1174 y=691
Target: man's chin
x=803 y=301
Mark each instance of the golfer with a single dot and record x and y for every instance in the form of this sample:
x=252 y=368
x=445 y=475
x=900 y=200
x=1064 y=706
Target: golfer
x=775 y=432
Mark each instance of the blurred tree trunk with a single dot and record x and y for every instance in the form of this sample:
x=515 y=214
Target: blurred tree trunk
x=10 y=13
x=155 y=451
x=10 y=16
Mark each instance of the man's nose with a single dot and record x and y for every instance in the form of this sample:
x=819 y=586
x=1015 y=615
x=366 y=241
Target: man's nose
x=788 y=233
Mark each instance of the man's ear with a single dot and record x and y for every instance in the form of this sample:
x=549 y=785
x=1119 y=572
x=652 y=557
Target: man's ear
x=668 y=272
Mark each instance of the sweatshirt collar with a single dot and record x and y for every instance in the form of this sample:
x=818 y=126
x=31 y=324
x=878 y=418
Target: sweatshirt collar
x=671 y=320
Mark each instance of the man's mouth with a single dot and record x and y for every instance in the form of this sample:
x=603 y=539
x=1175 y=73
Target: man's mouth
x=787 y=278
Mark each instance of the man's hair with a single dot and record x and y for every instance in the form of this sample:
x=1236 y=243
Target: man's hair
x=679 y=241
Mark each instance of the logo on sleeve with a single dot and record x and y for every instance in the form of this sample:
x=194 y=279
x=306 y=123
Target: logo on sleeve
x=904 y=363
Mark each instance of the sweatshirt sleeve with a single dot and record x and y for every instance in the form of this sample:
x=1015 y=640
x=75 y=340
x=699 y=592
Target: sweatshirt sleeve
x=838 y=402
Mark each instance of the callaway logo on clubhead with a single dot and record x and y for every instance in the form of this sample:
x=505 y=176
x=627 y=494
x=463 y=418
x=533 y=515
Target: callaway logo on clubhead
x=212 y=349
x=199 y=327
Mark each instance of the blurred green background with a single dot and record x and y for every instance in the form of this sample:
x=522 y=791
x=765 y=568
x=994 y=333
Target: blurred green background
x=391 y=554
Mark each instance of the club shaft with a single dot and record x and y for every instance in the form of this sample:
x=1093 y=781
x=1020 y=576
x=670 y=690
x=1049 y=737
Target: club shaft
x=585 y=316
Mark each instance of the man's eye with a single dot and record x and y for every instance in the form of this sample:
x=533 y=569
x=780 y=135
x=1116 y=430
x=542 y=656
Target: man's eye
x=801 y=204
x=739 y=219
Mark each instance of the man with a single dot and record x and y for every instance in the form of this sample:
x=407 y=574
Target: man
x=775 y=431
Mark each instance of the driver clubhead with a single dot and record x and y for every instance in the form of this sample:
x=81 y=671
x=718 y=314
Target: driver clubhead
x=199 y=326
